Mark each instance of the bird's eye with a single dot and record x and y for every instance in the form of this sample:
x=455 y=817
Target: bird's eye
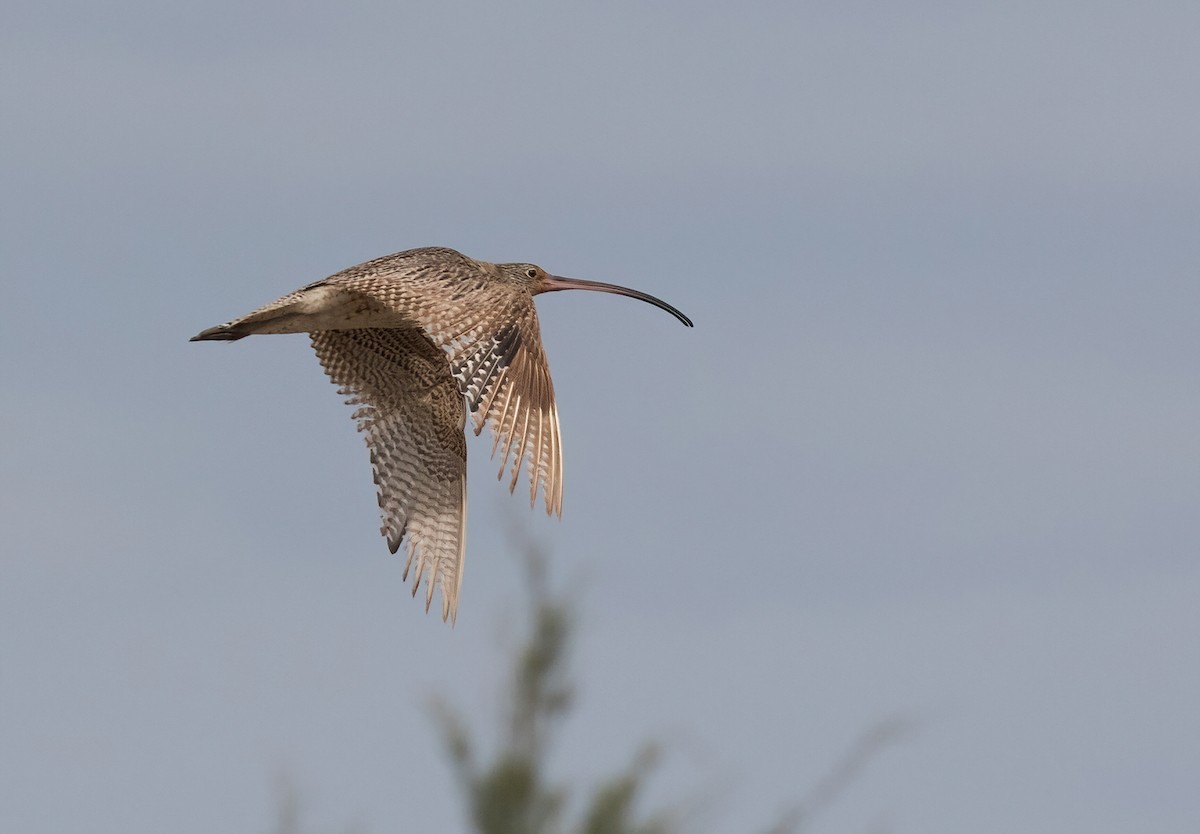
x=532 y=273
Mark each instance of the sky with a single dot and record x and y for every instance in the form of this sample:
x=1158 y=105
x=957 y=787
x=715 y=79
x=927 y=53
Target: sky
x=930 y=451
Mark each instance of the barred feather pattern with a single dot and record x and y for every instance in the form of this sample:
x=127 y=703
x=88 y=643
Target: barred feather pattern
x=413 y=416
x=488 y=327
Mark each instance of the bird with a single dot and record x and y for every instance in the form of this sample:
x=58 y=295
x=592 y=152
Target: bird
x=415 y=340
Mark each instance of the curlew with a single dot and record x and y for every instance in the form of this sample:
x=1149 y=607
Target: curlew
x=414 y=340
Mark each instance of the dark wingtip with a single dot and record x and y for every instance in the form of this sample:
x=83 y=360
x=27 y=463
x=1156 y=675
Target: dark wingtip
x=220 y=333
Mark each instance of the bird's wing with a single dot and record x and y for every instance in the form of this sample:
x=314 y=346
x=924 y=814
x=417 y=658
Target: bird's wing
x=506 y=380
x=491 y=335
x=412 y=413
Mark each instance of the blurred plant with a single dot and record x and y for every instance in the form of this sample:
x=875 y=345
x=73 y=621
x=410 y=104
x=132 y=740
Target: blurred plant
x=842 y=774
x=514 y=793
x=289 y=811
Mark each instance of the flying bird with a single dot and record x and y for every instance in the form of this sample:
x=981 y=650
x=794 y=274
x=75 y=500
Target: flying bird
x=414 y=340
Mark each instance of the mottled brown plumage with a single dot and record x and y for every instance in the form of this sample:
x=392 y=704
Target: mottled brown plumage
x=415 y=339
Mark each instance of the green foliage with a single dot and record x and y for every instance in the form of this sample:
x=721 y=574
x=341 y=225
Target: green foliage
x=611 y=809
x=512 y=794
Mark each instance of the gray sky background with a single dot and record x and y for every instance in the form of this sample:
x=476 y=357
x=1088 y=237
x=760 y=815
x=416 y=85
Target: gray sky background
x=931 y=449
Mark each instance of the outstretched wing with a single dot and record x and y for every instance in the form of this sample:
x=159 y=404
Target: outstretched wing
x=488 y=328
x=506 y=380
x=411 y=410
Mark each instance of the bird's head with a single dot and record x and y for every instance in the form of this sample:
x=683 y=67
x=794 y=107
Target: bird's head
x=537 y=280
x=529 y=276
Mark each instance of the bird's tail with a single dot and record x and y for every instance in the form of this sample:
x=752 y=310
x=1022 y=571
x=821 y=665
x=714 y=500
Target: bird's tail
x=230 y=332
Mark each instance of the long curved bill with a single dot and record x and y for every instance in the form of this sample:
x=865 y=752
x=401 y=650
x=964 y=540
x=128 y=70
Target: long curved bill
x=554 y=283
